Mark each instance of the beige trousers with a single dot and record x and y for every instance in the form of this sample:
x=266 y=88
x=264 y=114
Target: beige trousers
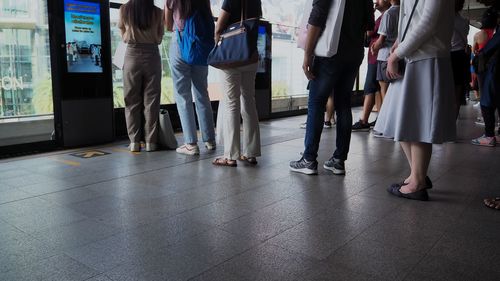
x=239 y=96
x=142 y=91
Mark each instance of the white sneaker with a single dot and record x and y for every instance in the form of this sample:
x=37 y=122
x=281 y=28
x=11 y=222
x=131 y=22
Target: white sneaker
x=303 y=125
x=135 y=147
x=151 y=147
x=210 y=145
x=188 y=149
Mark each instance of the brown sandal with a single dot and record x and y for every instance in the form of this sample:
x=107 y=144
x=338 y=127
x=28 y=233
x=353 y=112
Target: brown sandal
x=224 y=162
x=493 y=203
x=249 y=160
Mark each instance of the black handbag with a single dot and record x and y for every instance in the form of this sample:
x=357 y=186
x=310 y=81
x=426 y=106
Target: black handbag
x=367 y=40
x=237 y=45
x=401 y=62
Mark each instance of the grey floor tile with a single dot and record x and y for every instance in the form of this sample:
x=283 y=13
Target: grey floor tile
x=97 y=206
x=129 y=190
x=478 y=251
x=74 y=234
x=217 y=213
x=106 y=254
x=254 y=199
x=27 y=180
x=272 y=220
x=113 y=251
x=439 y=268
x=9 y=232
x=216 y=274
x=58 y=267
x=101 y=277
x=13 y=194
x=340 y=273
x=158 y=265
x=214 y=246
x=384 y=261
x=375 y=207
x=45 y=219
x=403 y=235
x=269 y=262
x=70 y=196
x=23 y=252
x=321 y=235
x=13 y=173
x=24 y=207
x=49 y=187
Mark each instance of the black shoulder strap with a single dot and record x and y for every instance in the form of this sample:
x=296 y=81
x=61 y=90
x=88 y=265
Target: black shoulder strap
x=409 y=20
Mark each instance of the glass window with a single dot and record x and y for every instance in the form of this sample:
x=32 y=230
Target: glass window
x=26 y=104
x=15 y=8
x=25 y=82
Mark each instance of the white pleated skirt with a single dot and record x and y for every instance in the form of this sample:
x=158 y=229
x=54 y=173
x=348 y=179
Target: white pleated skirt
x=421 y=106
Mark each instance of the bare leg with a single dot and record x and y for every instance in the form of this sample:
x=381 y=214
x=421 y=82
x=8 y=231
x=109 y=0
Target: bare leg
x=420 y=157
x=378 y=102
x=406 y=146
x=368 y=103
x=383 y=89
x=330 y=110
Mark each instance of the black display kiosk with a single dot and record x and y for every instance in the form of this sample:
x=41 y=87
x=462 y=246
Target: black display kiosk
x=263 y=78
x=81 y=71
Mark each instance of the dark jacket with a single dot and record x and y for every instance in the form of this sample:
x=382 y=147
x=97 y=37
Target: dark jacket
x=490 y=95
x=358 y=18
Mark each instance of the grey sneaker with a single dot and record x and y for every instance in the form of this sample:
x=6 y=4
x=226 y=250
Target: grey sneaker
x=305 y=167
x=335 y=165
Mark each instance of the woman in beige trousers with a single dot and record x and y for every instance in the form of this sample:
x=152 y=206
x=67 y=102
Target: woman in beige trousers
x=239 y=95
x=141 y=26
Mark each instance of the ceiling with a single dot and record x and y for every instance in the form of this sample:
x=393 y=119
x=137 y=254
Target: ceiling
x=473 y=10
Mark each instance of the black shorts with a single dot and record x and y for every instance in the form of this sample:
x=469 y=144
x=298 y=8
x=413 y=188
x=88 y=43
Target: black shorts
x=461 y=67
x=381 y=73
x=371 y=83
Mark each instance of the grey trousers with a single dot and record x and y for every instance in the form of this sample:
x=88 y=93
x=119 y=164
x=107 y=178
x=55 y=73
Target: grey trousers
x=239 y=97
x=142 y=91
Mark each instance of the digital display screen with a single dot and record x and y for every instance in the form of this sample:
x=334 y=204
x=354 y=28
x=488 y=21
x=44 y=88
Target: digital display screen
x=83 y=36
x=262 y=49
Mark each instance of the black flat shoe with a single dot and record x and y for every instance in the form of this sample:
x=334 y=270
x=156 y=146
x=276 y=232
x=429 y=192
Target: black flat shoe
x=420 y=195
x=428 y=183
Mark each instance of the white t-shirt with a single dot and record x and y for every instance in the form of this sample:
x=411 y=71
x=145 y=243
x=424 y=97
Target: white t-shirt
x=460 y=33
x=389 y=29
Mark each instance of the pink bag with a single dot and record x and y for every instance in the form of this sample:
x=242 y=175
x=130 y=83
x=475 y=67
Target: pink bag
x=302 y=32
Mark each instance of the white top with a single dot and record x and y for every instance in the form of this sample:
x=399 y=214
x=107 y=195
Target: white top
x=460 y=33
x=389 y=29
x=430 y=31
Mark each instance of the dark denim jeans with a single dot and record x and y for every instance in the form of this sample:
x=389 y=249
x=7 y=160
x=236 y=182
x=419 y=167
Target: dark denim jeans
x=335 y=74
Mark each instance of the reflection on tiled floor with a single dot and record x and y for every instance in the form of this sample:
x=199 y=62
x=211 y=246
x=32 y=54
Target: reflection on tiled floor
x=164 y=216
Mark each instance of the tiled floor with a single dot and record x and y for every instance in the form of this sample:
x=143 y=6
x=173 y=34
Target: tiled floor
x=163 y=216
